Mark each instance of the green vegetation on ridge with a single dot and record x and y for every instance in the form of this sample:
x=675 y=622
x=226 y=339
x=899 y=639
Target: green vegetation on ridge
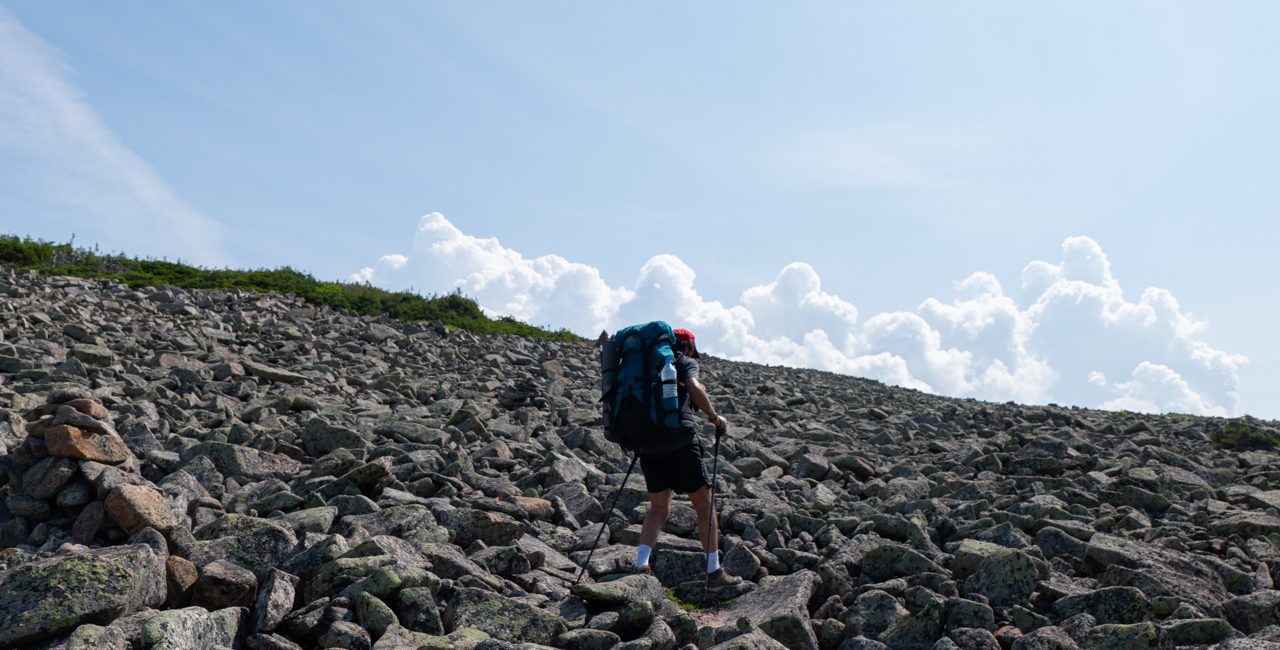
x=454 y=310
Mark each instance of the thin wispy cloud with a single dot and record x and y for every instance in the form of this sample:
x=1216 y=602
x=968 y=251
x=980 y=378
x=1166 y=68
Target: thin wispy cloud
x=60 y=154
x=1067 y=335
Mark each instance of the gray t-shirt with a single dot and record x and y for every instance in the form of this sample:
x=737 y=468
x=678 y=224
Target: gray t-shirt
x=686 y=369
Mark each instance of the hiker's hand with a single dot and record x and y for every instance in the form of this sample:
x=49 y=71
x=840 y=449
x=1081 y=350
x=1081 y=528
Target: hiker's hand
x=722 y=425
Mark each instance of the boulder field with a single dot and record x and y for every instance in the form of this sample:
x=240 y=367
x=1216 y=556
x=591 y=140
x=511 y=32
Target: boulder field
x=229 y=469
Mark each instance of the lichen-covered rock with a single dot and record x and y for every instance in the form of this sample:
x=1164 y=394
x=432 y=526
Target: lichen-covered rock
x=1046 y=638
x=251 y=542
x=873 y=612
x=493 y=528
x=96 y=637
x=619 y=592
x=64 y=441
x=417 y=610
x=1107 y=605
x=224 y=584
x=587 y=639
x=398 y=637
x=779 y=609
x=134 y=507
x=1197 y=631
x=180 y=577
x=972 y=638
x=893 y=560
x=238 y=460
x=501 y=618
x=46 y=598
x=374 y=614
x=1115 y=636
x=919 y=631
x=194 y=628
x=44 y=479
x=1005 y=579
x=275 y=600
x=1254 y=612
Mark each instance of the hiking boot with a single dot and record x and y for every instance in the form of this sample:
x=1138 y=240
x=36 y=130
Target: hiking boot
x=721 y=578
x=642 y=570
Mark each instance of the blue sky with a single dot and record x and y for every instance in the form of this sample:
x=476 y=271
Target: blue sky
x=893 y=150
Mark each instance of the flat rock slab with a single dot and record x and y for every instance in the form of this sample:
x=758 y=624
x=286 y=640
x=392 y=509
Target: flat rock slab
x=778 y=608
x=1157 y=571
x=52 y=597
x=233 y=460
x=1268 y=499
x=622 y=591
x=502 y=618
x=272 y=373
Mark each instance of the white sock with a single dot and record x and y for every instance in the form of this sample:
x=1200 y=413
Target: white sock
x=713 y=562
x=642 y=555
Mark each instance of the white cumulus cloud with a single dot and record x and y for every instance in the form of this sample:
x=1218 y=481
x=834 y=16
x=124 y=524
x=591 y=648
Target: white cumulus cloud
x=60 y=156
x=1070 y=337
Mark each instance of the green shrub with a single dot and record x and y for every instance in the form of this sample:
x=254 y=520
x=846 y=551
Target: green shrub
x=1243 y=434
x=454 y=310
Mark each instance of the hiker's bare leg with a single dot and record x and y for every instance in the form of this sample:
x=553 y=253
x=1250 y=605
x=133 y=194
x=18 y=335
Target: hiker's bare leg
x=701 y=500
x=659 y=509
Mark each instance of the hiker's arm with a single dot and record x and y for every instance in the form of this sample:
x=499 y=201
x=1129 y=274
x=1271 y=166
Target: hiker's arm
x=698 y=393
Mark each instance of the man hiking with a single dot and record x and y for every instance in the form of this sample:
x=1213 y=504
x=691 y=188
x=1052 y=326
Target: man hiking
x=677 y=467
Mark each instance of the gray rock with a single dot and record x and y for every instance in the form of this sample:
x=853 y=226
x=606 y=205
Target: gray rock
x=1253 y=612
x=1046 y=638
x=194 y=628
x=251 y=542
x=587 y=639
x=417 y=610
x=501 y=618
x=1107 y=605
x=974 y=639
x=237 y=460
x=1198 y=631
x=893 y=560
x=275 y=600
x=224 y=584
x=51 y=597
x=873 y=612
x=1005 y=580
x=47 y=477
x=347 y=635
x=619 y=592
x=272 y=373
x=1114 y=636
x=779 y=609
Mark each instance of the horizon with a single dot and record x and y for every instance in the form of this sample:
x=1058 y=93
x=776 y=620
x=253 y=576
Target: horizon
x=1051 y=205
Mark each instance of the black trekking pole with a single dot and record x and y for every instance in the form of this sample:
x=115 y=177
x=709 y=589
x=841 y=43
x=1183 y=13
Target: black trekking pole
x=604 y=524
x=711 y=518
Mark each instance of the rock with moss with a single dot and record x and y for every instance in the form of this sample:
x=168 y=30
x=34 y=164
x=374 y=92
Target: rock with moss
x=1107 y=605
x=1004 y=579
x=501 y=618
x=195 y=628
x=1115 y=636
x=254 y=543
x=238 y=460
x=615 y=593
x=779 y=609
x=51 y=597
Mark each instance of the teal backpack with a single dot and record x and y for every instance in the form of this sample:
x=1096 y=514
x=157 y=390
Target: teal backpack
x=640 y=394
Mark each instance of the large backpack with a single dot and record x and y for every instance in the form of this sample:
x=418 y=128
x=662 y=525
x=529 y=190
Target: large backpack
x=636 y=415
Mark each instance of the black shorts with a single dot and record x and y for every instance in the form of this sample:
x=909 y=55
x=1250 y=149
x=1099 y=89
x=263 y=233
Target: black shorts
x=680 y=470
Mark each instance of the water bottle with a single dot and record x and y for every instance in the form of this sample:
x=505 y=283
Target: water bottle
x=669 y=394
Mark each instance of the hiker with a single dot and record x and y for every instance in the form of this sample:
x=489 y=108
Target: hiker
x=677 y=467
